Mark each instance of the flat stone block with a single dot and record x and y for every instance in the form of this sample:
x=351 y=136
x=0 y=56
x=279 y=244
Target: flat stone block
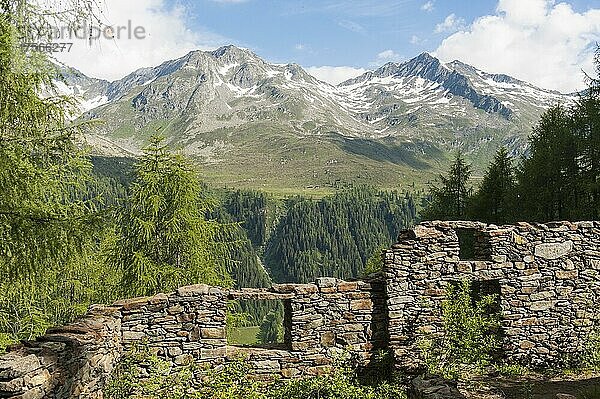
x=193 y=290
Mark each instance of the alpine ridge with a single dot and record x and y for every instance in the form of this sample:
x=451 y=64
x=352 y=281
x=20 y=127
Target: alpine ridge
x=230 y=108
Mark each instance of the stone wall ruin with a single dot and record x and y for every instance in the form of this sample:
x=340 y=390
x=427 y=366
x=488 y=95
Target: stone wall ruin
x=547 y=277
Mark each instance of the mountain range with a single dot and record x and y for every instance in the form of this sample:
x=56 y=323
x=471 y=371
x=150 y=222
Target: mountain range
x=251 y=123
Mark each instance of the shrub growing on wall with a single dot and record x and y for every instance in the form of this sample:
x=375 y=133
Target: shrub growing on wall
x=469 y=338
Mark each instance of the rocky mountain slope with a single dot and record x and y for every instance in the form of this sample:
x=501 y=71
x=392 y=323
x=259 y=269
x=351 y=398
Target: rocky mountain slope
x=254 y=123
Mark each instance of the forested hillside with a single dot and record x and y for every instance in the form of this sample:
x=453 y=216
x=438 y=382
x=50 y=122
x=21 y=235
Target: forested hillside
x=335 y=236
x=298 y=239
x=257 y=239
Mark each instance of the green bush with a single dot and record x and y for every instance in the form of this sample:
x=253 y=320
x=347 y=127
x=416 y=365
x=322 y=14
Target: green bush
x=143 y=375
x=469 y=338
x=340 y=383
x=229 y=381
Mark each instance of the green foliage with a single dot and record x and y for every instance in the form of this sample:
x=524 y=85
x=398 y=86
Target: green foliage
x=271 y=328
x=469 y=340
x=162 y=239
x=54 y=296
x=241 y=259
x=339 y=383
x=495 y=201
x=548 y=182
x=43 y=212
x=511 y=370
x=450 y=200
x=231 y=381
x=335 y=236
x=242 y=262
x=50 y=204
x=263 y=317
x=254 y=211
x=142 y=374
x=234 y=321
x=591 y=358
x=375 y=262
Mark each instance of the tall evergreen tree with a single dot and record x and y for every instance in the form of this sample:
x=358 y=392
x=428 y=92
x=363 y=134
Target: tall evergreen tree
x=271 y=328
x=450 y=200
x=586 y=121
x=495 y=200
x=43 y=175
x=162 y=239
x=549 y=179
x=49 y=228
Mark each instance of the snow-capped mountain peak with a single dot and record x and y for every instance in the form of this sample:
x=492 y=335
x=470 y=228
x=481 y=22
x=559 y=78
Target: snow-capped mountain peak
x=233 y=89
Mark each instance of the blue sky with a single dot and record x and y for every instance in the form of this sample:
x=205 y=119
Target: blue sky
x=546 y=42
x=333 y=32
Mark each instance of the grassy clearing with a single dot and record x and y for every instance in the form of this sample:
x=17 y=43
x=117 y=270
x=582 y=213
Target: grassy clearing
x=243 y=335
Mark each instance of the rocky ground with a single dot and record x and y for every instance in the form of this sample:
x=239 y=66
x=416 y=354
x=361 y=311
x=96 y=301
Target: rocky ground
x=534 y=386
x=580 y=385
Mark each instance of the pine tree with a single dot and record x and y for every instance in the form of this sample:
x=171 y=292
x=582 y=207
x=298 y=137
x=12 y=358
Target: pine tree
x=586 y=122
x=335 y=236
x=495 y=200
x=162 y=239
x=450 y=200
x=549 y=180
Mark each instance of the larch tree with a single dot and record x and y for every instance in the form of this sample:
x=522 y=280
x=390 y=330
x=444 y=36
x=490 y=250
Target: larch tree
x=549 y=186
x=48 y=219
x=495 y=200
x=451 y=199
x=43 y=174
x=162 y=238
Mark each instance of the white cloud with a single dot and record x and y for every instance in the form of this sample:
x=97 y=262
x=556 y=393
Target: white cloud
x=537 y=41
x=450 y=24
x=299 y=47
x=335 y=74
x=386 y=56
x=416 y=40
x=166 y=37
x=429 y=6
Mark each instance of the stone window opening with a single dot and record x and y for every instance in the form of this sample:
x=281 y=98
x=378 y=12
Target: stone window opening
x=262 y=323
x=481 y=289
x=473 y=245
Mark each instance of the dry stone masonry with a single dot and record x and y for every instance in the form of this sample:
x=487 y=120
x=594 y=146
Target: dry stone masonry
x=547 y=277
